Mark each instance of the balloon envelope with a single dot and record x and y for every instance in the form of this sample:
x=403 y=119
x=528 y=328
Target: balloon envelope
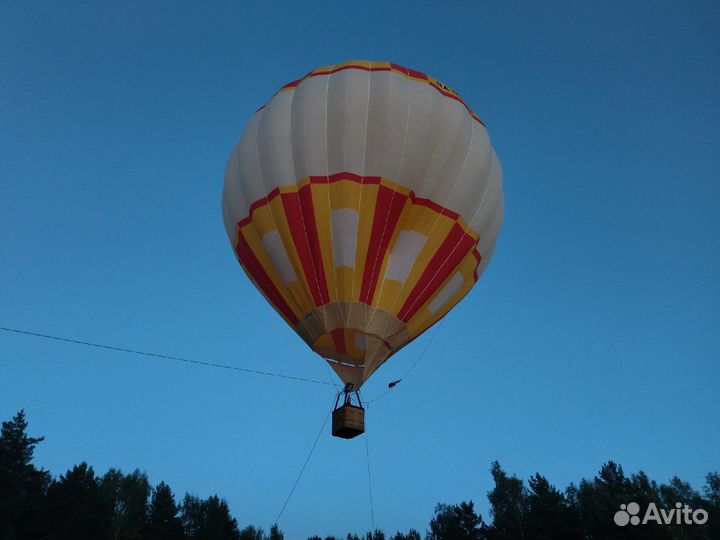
x=363 y=201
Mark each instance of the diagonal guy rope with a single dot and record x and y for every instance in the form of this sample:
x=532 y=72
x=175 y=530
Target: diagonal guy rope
x=164 y=356
x=415 y=363
x=302 y=470
x=372 y=506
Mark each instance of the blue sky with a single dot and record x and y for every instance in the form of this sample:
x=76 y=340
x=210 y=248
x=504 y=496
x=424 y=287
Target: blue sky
x=594 y=335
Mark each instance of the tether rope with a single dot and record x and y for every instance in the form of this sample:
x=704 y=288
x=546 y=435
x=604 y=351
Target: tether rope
x=165 y=356
x=415 y=363
x=302 y=470
x=372 y=509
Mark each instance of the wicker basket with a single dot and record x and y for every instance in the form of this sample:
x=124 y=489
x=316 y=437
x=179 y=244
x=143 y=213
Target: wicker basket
x=348 y=421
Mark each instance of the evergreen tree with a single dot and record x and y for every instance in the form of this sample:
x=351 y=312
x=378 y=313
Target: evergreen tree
x=77 y=508
x=549 y=517
x=508 y=506
x=219 y=524
x=128 y=495
x=644 y=491
x=275 y=533
x=412 y=534
x=678 y=491
x=456 y=522
x=22 y=486
x=600 y=498
x=251 y=533
x=712 y=488
x=163 y=521
x=210 y=520
x=711 y=504
x=192 y=515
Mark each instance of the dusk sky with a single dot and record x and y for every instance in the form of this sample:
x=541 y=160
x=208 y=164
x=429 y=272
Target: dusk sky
x=593 y=335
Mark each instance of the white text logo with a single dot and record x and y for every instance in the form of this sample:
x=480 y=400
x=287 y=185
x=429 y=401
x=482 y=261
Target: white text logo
x=682 y=514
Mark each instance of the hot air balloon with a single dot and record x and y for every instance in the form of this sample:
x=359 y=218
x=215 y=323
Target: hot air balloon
x=364 y=201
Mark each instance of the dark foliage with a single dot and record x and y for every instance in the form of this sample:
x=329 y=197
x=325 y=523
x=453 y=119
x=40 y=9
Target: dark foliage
x=251 y=533
x=163 y=516
x=276 y=533
x=77 y=508
x=79 y=505
x=22 y=486
x=210 y=519
x=508 y=506
x=456 y=522
x=128 y=496
x=412 y=534
x=549 y=515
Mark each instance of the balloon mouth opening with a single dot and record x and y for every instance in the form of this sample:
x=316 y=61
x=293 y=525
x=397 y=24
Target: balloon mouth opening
x=352 y=353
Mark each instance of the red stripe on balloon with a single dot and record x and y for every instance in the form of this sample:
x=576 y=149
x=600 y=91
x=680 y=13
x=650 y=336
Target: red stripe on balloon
x=388 y=208
x=300 y=216
x=432 y=205
x=253 y=266
x=478 y=258
x=418 y=75
x=351 y=177
x=338 y=336
x=308 y=212
x=446 y=259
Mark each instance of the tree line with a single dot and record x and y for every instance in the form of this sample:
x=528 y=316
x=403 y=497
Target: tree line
x=82 y=505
